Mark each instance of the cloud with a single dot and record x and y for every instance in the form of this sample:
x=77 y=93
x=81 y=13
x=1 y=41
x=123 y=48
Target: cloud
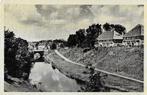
x=22 y=12
x=68 y=13
x=129 y=16
x=58 y=21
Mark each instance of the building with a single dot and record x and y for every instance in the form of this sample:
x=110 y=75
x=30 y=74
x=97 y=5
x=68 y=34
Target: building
x=109 y=38
x=134 y=37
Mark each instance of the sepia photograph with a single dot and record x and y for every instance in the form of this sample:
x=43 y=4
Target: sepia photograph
x=73 y=48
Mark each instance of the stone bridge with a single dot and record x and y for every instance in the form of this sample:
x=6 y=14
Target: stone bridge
x=38 y=55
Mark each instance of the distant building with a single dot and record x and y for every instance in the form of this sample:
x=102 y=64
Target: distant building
x=41 y=47
x=134 y=37
x=109 y=38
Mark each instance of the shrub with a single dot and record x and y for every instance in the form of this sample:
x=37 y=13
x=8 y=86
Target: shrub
x=17 y=57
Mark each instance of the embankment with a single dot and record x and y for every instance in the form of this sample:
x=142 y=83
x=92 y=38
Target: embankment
x=124 y=61
x=19 y=85
x=121 y=60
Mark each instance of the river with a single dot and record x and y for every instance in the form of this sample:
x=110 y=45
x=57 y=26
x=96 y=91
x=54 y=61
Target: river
x=51 y=80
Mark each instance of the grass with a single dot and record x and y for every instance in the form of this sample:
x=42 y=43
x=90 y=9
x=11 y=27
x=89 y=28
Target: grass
x=120 y=60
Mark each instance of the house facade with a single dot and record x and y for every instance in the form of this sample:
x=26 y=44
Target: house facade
x=109 y=38
x=134 y=37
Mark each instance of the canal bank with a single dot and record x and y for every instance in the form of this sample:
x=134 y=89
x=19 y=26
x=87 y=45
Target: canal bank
x=19 y=85
x=79 y=73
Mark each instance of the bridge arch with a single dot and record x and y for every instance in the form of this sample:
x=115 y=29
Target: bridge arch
x=38 y=55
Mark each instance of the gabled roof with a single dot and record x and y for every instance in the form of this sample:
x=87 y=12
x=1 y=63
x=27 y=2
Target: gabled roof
x=138 y=30
x=109 y=35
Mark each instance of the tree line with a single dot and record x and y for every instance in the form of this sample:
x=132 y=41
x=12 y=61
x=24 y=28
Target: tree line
x=52 y=43
x=87 y=37
x=17 y=58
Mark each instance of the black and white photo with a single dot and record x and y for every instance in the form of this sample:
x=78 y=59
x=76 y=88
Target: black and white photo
x=73 y=48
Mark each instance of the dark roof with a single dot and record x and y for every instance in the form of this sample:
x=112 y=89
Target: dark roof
x=138 y=30
x=109 y=35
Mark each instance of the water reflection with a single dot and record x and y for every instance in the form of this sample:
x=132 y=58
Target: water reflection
x=52 y=80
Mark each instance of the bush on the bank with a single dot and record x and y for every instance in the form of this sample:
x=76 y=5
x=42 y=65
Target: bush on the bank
x=17 y=57
x=53 y=46
x=95 y=84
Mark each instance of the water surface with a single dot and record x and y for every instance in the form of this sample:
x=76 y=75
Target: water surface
x=51 y=79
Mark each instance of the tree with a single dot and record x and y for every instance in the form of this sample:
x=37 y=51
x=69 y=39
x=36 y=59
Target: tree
x=53 y=46
x=72 y=40
x=36 y=45
x=60 y=42
x=10 y=65
x=23 y=58
x=92 y=33
x=107 y=27
x=85 y=38
x=117 y=27
x=9 y=34
x=18 y=60
x=120 y=29
x=80 y=36
x=95 y=84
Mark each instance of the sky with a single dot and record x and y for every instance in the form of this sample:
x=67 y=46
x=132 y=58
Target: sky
x=44 y=22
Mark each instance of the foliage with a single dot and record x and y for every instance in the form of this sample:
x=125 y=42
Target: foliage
x=18 y=60
x=92 y=33
x=107 y=27
x=36 y=45
x=53 y=46
x=88 y=37
x=117 y=27
x=95 y=84
x=85 y=37
x=72 y=40
x=120 y=29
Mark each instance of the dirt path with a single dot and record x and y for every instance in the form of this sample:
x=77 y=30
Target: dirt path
x=109 y=73
x=78 y=71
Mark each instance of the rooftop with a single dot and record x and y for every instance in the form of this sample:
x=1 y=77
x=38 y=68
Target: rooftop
x=138 y=30
x=109 y=35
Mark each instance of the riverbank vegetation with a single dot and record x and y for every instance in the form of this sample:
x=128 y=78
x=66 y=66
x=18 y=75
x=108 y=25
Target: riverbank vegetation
x=17 y=63
x=18 y=60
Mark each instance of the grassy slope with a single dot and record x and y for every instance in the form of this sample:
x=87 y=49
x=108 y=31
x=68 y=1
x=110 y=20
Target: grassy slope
x=121 y=60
